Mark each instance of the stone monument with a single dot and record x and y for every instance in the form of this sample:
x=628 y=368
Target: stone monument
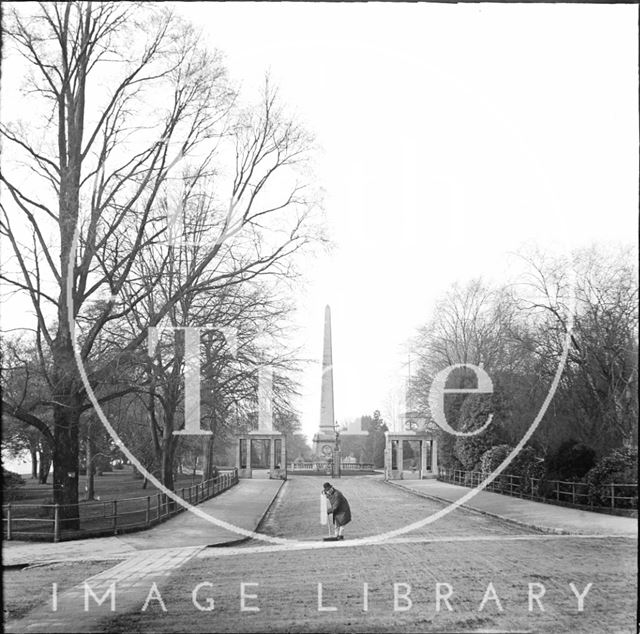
x=324 y=441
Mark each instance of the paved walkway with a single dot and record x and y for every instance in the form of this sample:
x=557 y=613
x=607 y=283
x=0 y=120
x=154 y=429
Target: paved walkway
x=126 y=586
x=548 y=517
x=243 y=505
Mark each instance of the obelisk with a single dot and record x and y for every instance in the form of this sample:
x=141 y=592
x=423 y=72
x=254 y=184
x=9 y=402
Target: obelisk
x=324 y=439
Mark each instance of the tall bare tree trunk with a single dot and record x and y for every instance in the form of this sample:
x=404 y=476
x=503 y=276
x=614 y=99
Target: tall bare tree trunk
x=33 y=450
x=45 y=461
x=207 y=461
x=65 y=466
x=90 y=467
x=168 y=448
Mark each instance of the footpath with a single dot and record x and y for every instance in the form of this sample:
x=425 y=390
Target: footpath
x=550 y=518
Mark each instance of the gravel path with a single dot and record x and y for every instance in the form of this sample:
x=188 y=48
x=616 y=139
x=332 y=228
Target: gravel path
x=376 y=508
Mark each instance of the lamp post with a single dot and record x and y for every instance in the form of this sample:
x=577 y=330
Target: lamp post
x=336 y=453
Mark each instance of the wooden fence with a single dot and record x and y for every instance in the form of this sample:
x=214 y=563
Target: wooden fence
x=612 y=495
x=43 y=522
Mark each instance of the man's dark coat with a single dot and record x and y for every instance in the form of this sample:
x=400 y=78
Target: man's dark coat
x=339 y=508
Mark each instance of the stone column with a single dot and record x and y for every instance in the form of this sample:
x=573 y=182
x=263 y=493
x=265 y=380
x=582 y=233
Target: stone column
x=434 y=456
x=387 y=458
x=425 y=446
x=400 y=459
x=283 y=458
x=272 y=458
x=337 y=459
x=244 y=472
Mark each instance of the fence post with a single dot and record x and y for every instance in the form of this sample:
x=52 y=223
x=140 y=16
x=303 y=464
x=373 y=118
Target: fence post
x=114 y=511
x=56 y=523
x=158 y=507
x=557 y=490
x=573 y=492
x=148 y=514
x=8 y=522
x=613 y=495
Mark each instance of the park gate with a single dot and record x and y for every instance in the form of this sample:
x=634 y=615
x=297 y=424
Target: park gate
x=395 y=467
x=276 y=452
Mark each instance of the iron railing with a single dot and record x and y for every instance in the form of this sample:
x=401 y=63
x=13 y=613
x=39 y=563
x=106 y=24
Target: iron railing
x=614 y=495
x=46 y=522
x=321 y=467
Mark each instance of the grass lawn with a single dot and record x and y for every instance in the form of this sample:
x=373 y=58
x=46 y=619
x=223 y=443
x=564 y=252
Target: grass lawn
x=96 y=515
x=109 y=486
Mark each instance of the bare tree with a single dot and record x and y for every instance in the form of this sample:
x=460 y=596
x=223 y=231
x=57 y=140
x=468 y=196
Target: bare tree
x=127 y=94
x=599 y=384
x=518 y=333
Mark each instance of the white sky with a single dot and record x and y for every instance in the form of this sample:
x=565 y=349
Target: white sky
x=451 y=135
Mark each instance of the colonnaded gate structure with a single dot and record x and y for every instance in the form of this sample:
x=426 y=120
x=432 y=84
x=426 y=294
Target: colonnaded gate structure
x=263 y=448
x=269 y=447
x=422 y=454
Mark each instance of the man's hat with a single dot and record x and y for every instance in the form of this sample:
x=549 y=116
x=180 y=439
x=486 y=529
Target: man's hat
x=326 y=486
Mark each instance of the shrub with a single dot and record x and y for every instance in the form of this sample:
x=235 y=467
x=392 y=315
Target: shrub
x=619 y=467
x=526 y=465
x=11 y=479
x=11 y=483
x=493 y=457
x=446 y=451
x=473 y=414
x=571 y=461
